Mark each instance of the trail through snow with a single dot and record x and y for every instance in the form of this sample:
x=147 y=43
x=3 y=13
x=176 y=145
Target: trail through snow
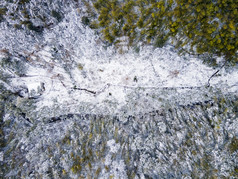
x=75 y=68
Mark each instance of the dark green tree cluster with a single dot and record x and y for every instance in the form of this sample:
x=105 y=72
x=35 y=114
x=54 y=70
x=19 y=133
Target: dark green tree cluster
x=207 y=26
x=201 y=26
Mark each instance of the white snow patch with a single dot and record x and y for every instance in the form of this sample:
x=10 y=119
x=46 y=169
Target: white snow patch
x=119 y=169
x=1 y=156
x=180 y=137
x=114 y=147
x=33 y=86
x=108 y=160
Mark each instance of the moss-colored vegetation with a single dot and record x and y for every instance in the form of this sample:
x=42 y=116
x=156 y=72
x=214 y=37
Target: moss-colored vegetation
x=56 y=15
x=23 y=1
x=85 y=20
x=201 y=26
x=236 y=170
x=91 y=149
x=233 y=147
x=3 y=12
x=80 y=66
x=32 y=27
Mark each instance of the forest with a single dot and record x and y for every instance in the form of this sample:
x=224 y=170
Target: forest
x=194 y=27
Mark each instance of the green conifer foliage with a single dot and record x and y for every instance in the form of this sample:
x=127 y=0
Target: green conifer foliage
x=200 y=26
x=208 y=26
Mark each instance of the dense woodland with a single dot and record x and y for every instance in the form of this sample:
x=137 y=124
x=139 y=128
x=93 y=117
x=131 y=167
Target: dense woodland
x=195 y=27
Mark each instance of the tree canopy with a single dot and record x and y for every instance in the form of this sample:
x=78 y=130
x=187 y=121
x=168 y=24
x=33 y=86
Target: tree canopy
x=202 y=26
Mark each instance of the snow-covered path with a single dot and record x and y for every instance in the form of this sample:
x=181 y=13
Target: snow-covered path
x=74 y=67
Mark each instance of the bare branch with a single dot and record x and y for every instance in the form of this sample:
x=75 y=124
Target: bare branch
x=208 y=82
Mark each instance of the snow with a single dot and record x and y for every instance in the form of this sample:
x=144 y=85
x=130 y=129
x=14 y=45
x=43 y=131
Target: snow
x=72 y=72
x=118 y=167
x=113 y=146
x=1 y=156
x=112 y=77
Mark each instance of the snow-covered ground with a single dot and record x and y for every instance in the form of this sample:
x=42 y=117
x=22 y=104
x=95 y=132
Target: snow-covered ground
x=68 y=70
x=75 y=68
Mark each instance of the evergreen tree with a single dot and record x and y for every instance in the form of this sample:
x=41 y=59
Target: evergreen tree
x=202 y=26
